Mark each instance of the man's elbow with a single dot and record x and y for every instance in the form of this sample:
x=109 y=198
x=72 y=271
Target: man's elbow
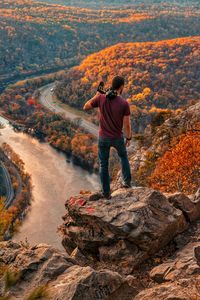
x=87 y=106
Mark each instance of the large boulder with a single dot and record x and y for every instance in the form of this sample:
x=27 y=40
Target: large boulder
x=123 y=231
x=83 y=283
x=57 y=274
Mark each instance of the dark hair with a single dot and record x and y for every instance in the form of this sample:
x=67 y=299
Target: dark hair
x=117 y=82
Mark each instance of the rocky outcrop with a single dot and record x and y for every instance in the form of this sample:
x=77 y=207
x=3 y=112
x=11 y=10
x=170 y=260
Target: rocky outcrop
x=175 y=126
x=157 y=141
x=105 y=241
x=177 y=278
x=122 y=232
x=58 y=274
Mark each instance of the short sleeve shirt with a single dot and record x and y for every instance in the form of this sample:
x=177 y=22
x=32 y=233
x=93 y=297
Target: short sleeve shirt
x=112 y=113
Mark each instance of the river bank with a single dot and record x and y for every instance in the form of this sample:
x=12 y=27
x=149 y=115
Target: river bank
x=54 y=180
x=20 y=102
x=18 y=197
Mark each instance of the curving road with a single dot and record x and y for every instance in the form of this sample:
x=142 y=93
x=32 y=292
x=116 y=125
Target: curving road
x=46 y=99
x=9 y=188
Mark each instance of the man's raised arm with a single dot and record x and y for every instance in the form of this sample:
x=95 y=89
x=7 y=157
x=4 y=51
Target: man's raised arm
x=92 y=103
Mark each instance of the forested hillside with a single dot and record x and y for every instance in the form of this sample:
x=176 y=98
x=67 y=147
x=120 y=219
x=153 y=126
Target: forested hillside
x=159 y=75
x=36 y=36
x=100 y=3
x=168 y=156
x=19 y=102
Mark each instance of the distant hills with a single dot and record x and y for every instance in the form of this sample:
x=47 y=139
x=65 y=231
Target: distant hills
x=36 y=36
x=159 y=75
x=164 y=74
x=100 y=3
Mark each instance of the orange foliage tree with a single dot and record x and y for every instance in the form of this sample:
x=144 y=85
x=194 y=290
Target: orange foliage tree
x=179 y=168
x=84 y=149
x=6 y=217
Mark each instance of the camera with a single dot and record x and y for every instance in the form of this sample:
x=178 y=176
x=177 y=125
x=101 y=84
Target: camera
x=110 y=93
x=100 y=88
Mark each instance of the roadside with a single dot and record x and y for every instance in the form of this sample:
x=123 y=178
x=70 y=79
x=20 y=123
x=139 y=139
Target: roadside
x=48 y=99
x=18 y=191
x=8 y=185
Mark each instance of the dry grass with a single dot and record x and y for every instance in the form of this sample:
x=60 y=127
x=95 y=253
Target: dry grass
x=38 y=293
x=11 y=277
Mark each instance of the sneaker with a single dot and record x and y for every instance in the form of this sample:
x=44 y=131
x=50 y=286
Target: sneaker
x=99 y=195
x=108 y=196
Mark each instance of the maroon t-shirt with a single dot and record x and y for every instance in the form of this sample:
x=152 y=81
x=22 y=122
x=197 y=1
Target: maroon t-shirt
x=112 y=113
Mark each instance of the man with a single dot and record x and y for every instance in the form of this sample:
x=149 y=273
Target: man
x=114 y=116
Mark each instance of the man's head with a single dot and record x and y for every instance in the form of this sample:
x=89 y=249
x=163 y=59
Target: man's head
x=118 y=84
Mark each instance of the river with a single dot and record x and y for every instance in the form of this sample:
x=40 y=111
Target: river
x=54 y=181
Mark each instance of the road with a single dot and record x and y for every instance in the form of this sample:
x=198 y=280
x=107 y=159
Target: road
x=9 y=188
x=46 y=99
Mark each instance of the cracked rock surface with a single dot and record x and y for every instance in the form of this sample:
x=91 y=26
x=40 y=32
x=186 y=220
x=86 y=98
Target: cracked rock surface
x=124 y=231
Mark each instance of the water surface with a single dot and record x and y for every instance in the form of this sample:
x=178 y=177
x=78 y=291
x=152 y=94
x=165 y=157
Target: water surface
x=54 y=180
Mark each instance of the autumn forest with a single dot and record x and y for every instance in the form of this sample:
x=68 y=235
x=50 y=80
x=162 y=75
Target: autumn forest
x=38 y=37
x=159 y=76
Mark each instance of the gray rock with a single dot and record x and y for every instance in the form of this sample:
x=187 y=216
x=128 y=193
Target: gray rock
x=83 y=283
x=185 y=265
x=55 y=266
x=125 y=230
x=184 y=289
x=79 y=257
x=197 y=254
x=43 y=265
x=189 y=206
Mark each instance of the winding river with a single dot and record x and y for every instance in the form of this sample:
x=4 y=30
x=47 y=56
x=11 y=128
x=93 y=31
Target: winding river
x=54 y=180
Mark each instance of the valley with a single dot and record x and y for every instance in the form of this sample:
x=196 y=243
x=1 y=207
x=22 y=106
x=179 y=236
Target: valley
x=103 y=3
x=46 y=165
x=61 y=238
x=161 y=77
x=37 y=37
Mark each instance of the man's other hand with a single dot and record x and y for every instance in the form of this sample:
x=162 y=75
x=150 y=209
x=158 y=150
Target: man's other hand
x=128 y=143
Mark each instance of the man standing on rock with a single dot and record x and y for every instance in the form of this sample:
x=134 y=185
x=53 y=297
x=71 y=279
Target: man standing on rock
x=114 y=117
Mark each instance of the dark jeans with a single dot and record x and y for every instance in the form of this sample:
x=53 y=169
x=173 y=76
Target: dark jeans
x=104 y=146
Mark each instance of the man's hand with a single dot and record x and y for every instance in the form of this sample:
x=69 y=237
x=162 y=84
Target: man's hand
x=127 y=130
x=128 y=143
